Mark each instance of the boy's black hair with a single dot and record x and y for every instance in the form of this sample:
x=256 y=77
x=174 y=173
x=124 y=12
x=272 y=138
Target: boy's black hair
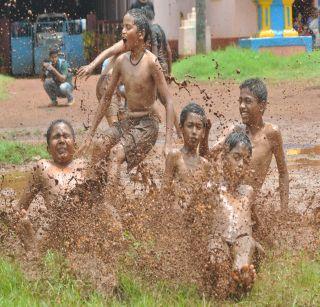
x=139 y=5
x=141 y=21
x=257 y=87
x=148 y=12
x=54 y=50
x=192 y=107
x=237 y=137
x=57 y=122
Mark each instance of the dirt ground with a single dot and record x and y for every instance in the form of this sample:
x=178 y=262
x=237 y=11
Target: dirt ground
x=292 y=106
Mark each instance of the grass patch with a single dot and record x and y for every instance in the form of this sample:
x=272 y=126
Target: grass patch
x=18 y=153
x=4 y=81
x=282 y=281
x=240 y=64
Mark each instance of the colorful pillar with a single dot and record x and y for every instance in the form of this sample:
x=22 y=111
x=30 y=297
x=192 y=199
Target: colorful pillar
x=275 y=30
x=275 y=18
x=288 y=27
x=265 y=18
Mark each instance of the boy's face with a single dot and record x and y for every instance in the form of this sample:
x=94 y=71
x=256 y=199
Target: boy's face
x=54 y=58
x=143 y=1
x=250 y=109
x=193 y=130
x=61 y=144
x=130 y=33
x=236 y=161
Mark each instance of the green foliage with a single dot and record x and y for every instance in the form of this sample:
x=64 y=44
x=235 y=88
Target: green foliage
x=4 y=81
x=240 y=64
x=286 y=280
x=18 y=153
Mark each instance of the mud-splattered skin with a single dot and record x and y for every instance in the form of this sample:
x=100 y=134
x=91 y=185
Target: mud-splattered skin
x=266 y=141
x=52 y=179
x=231 y=237
x=185 y=169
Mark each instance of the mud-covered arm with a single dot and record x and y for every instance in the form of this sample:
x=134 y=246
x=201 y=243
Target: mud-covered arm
x=166 y=100
x=282 y=169
x=169 y=171
x=212 y=153
x=114 y=50
x=32 y=189
x=102 y=108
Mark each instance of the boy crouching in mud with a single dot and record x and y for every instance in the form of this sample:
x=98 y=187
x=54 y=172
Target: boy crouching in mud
x=231 y=238
x=184 y=167
x=265 y=137
x=53 y=179
x=131 y=138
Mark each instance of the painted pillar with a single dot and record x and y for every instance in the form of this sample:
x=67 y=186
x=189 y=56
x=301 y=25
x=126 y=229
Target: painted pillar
x=275 y=18
x=288 y=27
x=265 y=18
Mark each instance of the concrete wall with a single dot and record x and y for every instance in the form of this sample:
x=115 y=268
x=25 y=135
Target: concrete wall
x=168 y=15
x=226 y=18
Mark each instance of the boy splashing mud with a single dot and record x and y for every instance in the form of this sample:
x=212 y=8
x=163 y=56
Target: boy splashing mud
x=133 y=137
x=265 y=137
x=232 y=232
x=53 y=179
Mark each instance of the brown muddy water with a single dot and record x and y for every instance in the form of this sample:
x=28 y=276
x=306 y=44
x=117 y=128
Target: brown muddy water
x=297 y=158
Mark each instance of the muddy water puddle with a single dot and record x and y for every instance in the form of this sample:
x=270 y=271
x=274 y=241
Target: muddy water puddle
x=297 y=157
x=305 y=156
x=13 y=180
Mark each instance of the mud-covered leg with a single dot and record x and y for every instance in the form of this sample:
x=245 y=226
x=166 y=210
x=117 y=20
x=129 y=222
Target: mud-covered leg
x=243 y=270
x=220 y=266
x=26 y=234
x=116 y=158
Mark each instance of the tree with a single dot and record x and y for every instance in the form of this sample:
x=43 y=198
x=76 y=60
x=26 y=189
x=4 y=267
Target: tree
x=201 y=26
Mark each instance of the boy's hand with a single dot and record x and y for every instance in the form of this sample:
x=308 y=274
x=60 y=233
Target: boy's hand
x=84 y=147
x=85 y=71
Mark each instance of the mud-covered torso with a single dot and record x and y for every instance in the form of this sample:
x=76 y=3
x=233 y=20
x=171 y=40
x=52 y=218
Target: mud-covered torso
x=261 y=155
x=233 y=214
x=190 y=176
x=55 y=181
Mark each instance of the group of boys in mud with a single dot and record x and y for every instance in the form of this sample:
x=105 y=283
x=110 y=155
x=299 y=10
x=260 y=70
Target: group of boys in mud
x=236 y=166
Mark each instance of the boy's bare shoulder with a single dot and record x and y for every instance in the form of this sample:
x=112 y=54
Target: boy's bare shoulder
x=42 y=165
x=272 y=131
x=152 y=59
x=173 y=154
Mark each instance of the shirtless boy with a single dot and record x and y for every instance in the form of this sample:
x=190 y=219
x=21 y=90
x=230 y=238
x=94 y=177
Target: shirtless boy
x=265 y=137
x=232 y=232
x=131 y=138
x=185 y=166
x=53 y=179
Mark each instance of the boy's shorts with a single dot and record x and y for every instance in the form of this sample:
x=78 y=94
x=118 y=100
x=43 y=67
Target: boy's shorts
x=137 y=136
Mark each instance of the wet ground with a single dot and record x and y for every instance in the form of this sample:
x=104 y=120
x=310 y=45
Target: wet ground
x=292 y=106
